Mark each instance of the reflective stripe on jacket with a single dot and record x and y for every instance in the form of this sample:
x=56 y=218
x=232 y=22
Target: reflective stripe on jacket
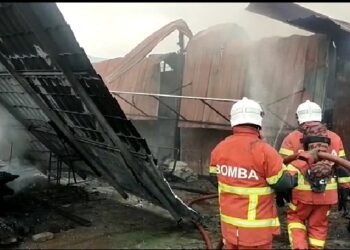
x=245 y=167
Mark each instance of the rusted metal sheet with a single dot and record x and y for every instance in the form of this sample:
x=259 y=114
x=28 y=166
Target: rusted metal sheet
x=222 y=62
x=137 y=72
x=49 y=85
x=146 y=46
x=279 y=76
x=214 y=67
x=143 y=77
x=231 y=66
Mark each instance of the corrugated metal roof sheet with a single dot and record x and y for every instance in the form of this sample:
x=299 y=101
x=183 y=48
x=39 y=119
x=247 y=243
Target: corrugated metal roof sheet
x=49 y=85
x=230 y=66
x=147 y=45
x=137 y=73
x=222 y=62
x=214 y=67
x=142 y=77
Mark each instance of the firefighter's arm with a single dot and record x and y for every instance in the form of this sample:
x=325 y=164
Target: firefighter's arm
x=304 y=160
x=341 y=152
x=342 y=173
x=286 y=182
x=277 y=175
x=280 y=178
x=286 y=147
x=343 y=178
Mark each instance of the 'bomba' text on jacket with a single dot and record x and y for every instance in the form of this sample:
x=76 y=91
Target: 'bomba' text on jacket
x=237 y=172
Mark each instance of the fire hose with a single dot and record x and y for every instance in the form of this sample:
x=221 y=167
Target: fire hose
x=204 y=233
x=323 y=156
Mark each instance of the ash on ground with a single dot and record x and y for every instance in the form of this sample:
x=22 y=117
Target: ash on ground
x=92 y=215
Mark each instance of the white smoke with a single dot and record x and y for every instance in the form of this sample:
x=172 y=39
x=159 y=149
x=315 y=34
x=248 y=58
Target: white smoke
x=13 y=136
x=29 y=175
x=267 y=68
x=14 y=145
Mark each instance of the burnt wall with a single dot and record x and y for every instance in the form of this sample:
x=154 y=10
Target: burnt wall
x=197 y=144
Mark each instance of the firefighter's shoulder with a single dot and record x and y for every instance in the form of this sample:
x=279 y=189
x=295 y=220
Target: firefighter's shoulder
x=333 y=136
x=294 y=135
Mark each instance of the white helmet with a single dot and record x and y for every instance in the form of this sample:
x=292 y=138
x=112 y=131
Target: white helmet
x=246 y=111
x=309 y=112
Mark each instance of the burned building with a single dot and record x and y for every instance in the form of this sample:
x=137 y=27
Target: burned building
x=221 y=65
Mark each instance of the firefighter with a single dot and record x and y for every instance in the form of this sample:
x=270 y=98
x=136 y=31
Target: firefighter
x=247 y=171
x=311 y=200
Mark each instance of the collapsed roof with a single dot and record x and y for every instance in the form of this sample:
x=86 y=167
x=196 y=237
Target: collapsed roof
x=309 y=20
x=49 y=85
x=301 y=17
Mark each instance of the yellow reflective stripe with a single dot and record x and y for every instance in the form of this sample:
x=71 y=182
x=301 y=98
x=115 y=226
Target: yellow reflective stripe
x=250 y=223
x=213 y=169
x=290 y=167
x=253 y=203
x=244 y=190
x=343 y=179
x=292 y=206
x=306 y=187
x=274 y=179
x=284 y=151
x=316 y=242
x=294 y=225
x=341 y=153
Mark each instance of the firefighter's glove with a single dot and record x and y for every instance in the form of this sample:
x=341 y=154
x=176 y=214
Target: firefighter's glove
x=309 y=157
x=306 y=159
x=285 y=189
x=281 y=198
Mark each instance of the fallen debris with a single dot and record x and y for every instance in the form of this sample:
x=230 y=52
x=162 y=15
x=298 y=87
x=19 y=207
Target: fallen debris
x=6 y=177
x=7 y=234
x=182 y=171
x=42 y=237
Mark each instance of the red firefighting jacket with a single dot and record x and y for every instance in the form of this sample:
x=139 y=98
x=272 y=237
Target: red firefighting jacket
x=246 y=166
x=292 y=145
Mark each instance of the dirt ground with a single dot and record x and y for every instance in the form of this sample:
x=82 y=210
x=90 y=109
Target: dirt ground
x=116 y=223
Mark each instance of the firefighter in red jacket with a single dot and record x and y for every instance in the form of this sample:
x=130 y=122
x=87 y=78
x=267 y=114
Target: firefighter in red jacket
x=248 y=170
x=311 y=200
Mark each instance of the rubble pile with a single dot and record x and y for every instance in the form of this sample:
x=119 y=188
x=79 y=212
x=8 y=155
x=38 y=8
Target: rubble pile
x=36 y=213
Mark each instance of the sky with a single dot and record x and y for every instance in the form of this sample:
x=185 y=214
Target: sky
x=111 y=30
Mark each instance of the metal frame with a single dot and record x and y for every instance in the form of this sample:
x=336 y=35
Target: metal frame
x=183 y=118
x=89 y=94
x=204 y=101
x=35 y=24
